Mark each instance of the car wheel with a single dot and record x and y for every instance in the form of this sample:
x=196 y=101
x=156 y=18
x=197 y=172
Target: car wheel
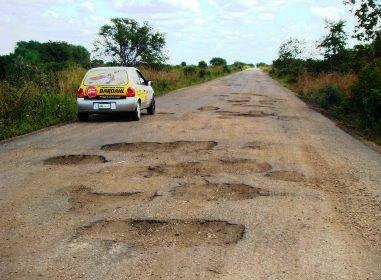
x=83 y=117
x=152 y=107
x=137 y=113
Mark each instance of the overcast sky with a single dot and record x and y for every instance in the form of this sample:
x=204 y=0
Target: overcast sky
x=244 y=30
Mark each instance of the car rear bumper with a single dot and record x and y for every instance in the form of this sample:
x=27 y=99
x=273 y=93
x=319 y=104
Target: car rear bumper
x=117 y=105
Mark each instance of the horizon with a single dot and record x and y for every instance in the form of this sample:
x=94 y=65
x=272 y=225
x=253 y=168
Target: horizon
x=244 y=30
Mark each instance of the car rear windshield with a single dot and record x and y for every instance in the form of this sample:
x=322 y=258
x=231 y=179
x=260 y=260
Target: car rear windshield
x=110 y=76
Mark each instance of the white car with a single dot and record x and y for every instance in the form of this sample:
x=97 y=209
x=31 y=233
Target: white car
x=107 y=90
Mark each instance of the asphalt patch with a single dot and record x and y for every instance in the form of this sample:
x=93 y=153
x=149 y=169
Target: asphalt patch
x=163 y=233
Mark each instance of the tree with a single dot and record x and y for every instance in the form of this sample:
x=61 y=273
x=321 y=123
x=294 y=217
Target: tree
x=368 y=13
x=291 y=49
x=335 y=41
x=51 y=52
x=183 y=64
x=218 y=61
x=128 y=43
x=202 y=64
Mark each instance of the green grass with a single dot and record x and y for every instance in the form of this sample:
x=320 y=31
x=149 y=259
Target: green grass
x=349 y=122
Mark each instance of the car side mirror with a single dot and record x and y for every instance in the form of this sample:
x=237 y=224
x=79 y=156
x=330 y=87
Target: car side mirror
x=149 y=83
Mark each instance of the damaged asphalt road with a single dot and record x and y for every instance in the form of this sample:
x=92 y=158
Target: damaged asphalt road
x=232 y=179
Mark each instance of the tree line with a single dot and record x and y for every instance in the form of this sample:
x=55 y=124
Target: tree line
x=357 y=103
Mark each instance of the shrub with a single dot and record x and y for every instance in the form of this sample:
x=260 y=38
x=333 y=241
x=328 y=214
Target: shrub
x=218 y=61
x=202 y=64
x=189 y=70
x=227 y=69
x=202 y=73
x=329 y=97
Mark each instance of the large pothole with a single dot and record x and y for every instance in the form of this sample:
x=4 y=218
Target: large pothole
x=166 y=233
x=157 y=147
x=84 y=199
x=206 y=168
x=217 y=192
x=291 y=176
x=208 y=108
x=75 y=159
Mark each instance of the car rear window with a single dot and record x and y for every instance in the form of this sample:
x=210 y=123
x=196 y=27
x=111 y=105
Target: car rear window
x=106 y=77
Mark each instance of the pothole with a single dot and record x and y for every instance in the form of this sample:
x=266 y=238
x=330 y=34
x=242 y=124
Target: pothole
x=75 y=159
x=239 y=101
x=208 y=108
x=255 y=145
x=250 y=114
x=86 y=199
x=166 y=233
x=292 y=176
x=157 y=147
x=217 y=192
x=205 y=168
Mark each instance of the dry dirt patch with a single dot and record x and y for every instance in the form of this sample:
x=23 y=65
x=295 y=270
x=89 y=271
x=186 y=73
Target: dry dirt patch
x=167 y=233
x=157 y=147
x=217 y=192
x=84 y=199
x=291 y=176
x=75 y=159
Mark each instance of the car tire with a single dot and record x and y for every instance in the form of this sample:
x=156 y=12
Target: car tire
x=152 y=107
x=136 y=115
x=83 y=117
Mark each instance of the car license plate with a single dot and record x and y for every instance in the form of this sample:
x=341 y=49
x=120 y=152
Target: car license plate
x=104 y=106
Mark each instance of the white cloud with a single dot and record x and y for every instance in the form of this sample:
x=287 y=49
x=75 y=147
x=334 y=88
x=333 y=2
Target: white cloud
x=328 y=12
x=87 y=5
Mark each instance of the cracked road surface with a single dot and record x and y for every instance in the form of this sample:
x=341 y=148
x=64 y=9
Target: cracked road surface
x=233 y=179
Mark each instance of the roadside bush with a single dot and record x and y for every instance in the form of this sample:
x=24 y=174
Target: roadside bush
x=189 y=70
x=367 y=97
x=202 y=64
x=329 y=97
x=227 y=69
x=202 y=73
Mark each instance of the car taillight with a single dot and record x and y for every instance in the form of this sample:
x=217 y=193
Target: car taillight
x=91 y=92
x=130 y=92
x=80 y=93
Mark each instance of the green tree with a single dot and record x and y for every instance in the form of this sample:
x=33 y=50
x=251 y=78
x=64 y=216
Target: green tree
x=368 y=13
x=335 y=41
x=183 y=64
x=293 y=48
x=202 y=64
x=218 y=61
x=128 y=43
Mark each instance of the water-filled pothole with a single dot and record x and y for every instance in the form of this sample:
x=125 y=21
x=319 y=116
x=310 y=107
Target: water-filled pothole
x=292 y=176
x=163 y=233
x=217 y=192
x=157 y=147
x=75 y=159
